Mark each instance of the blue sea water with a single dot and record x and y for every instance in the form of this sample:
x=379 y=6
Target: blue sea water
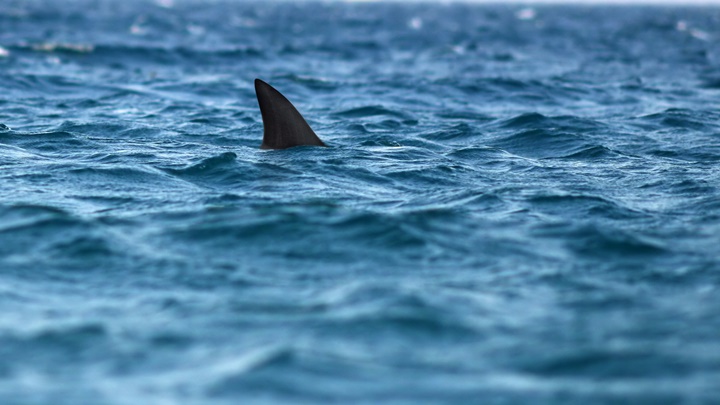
x=518 y=205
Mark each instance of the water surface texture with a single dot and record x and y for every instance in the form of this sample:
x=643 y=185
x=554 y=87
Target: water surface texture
x=518 y=205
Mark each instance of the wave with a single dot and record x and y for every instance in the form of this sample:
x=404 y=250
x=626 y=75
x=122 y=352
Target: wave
x=43 y=235
x=542 y=143
x=679 y=118
x=140 y=54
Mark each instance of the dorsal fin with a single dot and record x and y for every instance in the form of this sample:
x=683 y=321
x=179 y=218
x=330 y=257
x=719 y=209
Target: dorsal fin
x=284 y=126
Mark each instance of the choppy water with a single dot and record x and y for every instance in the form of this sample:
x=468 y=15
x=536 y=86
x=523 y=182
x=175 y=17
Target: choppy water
x=518 y=206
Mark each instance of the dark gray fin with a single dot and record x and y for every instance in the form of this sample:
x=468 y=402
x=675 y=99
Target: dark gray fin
x=284 y=126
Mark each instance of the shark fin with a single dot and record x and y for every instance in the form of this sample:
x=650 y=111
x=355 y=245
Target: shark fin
x=284 y=127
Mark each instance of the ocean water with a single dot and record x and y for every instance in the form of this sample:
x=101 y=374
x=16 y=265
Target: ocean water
x=518 y=205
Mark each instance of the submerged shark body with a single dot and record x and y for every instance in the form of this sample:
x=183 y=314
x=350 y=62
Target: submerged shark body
x=284 y=127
